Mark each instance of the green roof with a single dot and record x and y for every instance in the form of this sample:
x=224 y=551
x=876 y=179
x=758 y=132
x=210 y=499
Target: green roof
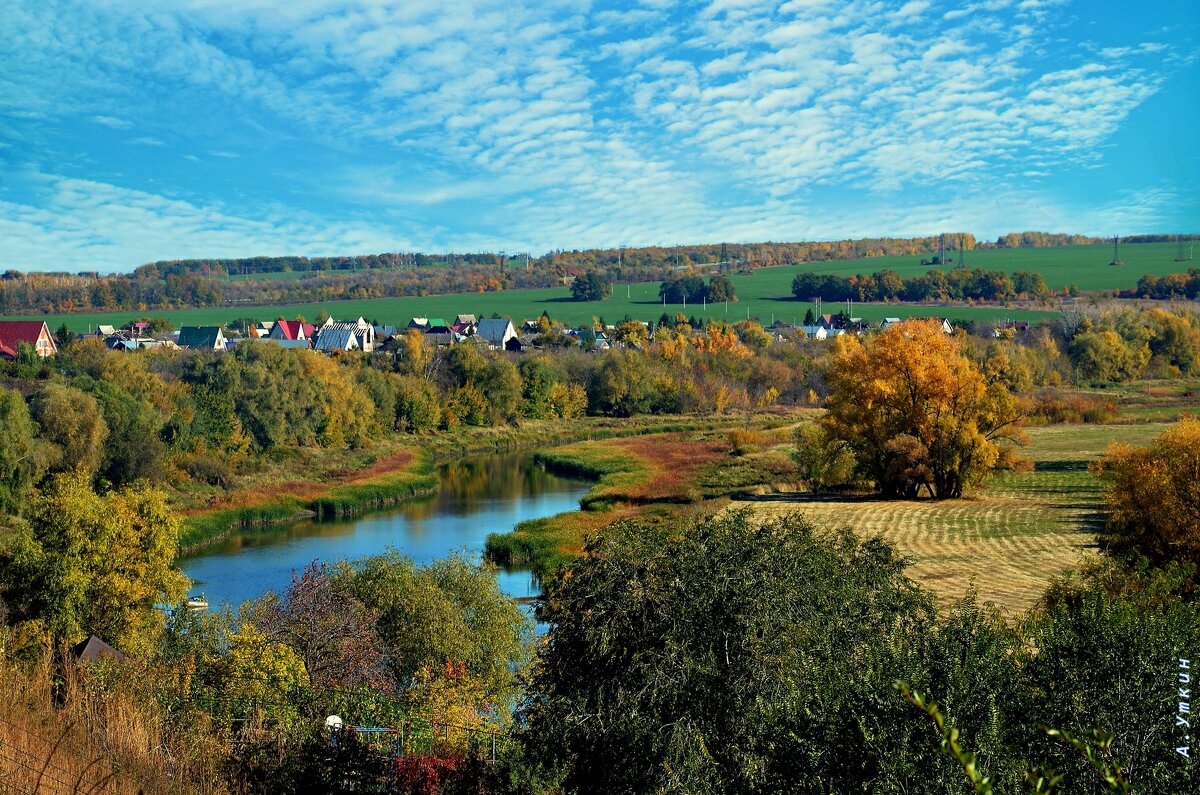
x=204 y=337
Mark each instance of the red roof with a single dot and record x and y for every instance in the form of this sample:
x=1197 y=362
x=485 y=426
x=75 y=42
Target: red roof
x=14 y=331
x=290 y=329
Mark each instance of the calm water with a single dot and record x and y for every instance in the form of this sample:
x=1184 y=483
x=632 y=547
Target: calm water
x=477 y=496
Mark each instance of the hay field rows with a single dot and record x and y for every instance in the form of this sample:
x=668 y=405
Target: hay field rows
x=1009 y=538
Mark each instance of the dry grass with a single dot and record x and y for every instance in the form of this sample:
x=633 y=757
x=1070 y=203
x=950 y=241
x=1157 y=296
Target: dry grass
x=1008 y=539
x=61 y=731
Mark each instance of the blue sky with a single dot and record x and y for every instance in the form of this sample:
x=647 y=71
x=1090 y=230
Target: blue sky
x=136 y=130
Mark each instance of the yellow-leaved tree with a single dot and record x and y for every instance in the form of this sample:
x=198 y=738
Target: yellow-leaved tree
x=1153 y=494
x=917 y=412
x=86 y=563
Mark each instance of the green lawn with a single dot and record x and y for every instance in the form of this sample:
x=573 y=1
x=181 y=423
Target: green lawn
x=764 y=295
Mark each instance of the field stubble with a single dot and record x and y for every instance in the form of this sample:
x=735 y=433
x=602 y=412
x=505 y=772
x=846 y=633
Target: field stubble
x=1008 y=539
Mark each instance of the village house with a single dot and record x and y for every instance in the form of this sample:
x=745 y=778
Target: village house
x=384 y=333
x=35 y=333
x=292 y=330
x=364 y=332
x=202 y=338
x=496 y=332
x=438 y=332
x=338 y=337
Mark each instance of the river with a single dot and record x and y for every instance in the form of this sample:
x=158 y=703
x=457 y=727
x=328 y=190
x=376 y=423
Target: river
x=476 y=496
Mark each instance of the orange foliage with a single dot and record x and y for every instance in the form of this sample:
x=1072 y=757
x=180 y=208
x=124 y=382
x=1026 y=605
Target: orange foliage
x=1154 y=494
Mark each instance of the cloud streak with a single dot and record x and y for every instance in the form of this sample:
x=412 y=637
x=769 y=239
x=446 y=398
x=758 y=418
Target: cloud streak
x=514 y=123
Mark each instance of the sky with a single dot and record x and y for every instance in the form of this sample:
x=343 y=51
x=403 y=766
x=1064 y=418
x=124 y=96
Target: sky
x=137 y=130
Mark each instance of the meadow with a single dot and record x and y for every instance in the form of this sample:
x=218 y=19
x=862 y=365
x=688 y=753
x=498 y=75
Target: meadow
x=764 y=295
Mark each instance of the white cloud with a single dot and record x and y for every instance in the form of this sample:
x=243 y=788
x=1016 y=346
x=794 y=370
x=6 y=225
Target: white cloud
x=547 y=120
x=112 y=122
x=85 y=225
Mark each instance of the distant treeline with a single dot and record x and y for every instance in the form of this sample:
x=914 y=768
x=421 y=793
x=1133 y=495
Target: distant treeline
x=1171 y=286
x=958 y=284
x=206 y=282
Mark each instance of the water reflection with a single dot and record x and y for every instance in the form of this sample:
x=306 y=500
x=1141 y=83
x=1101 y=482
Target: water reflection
x=477 y=496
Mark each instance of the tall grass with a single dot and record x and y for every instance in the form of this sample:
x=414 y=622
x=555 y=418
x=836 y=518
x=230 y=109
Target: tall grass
x=64 y=729
x=356 y=498
x=214 y=527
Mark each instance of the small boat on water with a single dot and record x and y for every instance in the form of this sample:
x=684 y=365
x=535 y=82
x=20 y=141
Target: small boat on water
x=197 y=603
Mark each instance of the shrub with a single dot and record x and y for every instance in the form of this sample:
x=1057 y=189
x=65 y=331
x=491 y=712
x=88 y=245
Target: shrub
x=208 y=469
x=1154 y=494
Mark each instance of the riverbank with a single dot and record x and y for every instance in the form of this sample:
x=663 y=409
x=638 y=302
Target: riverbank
x=349 y=483
x=654 y=479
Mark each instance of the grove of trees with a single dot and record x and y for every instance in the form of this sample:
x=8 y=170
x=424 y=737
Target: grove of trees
x=590 y=286
x=956 y=284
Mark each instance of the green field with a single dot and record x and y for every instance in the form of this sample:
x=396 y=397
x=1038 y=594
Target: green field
x=519 y=304
x=1087 y=267
x=764 y=295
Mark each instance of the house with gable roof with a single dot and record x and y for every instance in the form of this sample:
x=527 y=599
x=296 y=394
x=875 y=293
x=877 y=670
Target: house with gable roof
x=332 y=338
x=33 y=332
x=364 y=332
x=496 y=332
x=292 y=330
x=202 y=338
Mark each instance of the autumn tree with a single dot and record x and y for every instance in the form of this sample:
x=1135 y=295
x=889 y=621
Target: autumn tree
x=590 y=286
x=86 y=563
x=1153 y=494
x=917 y=413
x=71 y=421
x=1105 y=356
x=720 y=288
x=16 y=451
x=330 y=630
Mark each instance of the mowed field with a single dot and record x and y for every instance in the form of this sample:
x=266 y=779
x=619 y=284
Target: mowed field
x=1009 y=538
x=764 y=295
